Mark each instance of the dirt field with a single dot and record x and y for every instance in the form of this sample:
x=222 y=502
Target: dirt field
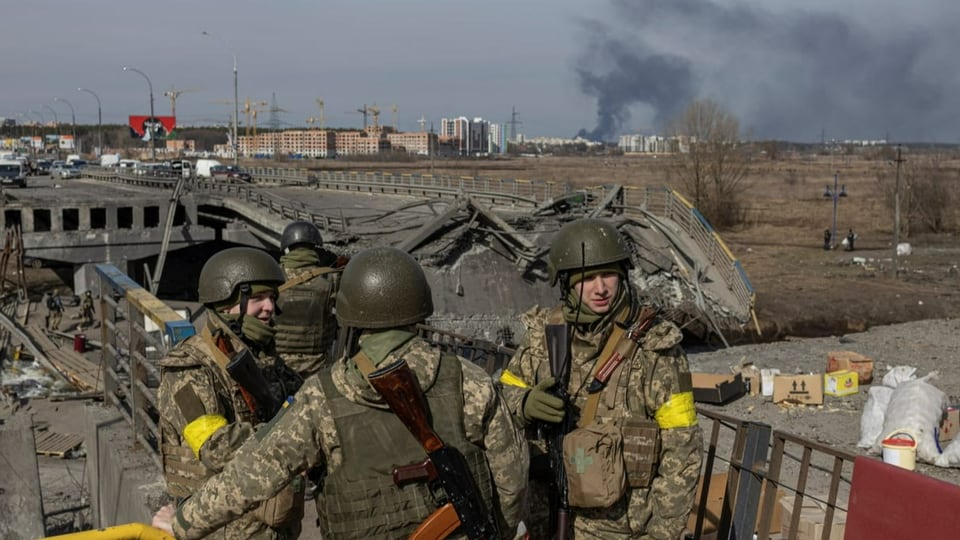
x=801 y=289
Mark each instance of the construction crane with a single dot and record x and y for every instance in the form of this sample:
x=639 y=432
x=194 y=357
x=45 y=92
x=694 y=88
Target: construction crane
x=173 y=94
x=364 y=111
x=375 y=111
x=320 y=118
x=250 y=109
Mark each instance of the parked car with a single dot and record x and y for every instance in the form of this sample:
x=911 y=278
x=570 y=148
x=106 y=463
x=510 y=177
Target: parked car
x=229 y=172
x=66 y=171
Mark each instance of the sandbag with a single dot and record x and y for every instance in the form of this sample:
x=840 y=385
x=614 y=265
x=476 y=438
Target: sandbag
x=915 y=407
x=874 y=411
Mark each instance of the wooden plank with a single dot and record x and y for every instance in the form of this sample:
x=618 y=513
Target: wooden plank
x=57 y=444
x=20 y=502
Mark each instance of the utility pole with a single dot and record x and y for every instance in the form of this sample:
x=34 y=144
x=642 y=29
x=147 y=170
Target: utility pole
x=896 y=215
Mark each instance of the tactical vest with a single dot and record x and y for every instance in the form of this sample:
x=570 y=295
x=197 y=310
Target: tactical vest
x=359 y=498
x=306 y=324
x=183 y=471
x=641 y=435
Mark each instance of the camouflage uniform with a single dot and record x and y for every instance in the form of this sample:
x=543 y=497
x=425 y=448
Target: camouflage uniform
x=658 y=512
x=655 y=380
x=305 y=436
x=86 y=311
x=340 y=425
x=204 y=416
x=192 y=365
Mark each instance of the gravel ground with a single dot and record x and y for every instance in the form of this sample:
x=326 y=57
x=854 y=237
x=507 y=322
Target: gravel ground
x=932 y=345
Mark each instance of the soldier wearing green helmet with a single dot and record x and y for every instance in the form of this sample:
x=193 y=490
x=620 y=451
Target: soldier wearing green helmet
x=340 y=424
x=205 y=413
x=306 y=329
x=645 y=403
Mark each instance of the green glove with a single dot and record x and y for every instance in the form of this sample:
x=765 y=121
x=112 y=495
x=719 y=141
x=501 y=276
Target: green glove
x=539 y=405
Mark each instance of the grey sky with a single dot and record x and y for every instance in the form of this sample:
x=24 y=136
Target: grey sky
x=850 y=69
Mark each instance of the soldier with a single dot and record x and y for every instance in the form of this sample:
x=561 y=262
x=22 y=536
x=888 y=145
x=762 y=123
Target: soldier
x=647 y=401
x=86 y=311
x=205 y=404
x=306 y=328
x=55 y=310
x=341 y=424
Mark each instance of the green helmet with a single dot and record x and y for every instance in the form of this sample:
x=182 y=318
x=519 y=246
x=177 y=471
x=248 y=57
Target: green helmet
x=584 y=243
x=300 y=232
x=228 y=269
x=383 y=287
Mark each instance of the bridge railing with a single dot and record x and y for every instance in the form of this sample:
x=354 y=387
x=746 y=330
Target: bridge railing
x=130 y=352
x=657 y=201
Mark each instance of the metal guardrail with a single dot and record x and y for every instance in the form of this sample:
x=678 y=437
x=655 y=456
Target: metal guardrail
x=763 y=465
x=129 y=352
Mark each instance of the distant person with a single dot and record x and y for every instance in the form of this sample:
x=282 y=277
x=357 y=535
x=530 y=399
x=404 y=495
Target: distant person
x=86 y=311
x=306 y=327
x=54 y=310
x=850 y=238
x=827 y=237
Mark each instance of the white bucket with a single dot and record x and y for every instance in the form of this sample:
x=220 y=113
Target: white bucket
x=900 y=449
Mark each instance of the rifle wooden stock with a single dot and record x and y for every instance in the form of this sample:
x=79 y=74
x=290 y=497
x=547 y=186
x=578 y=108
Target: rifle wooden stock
x=441 y=524
x=401 y=391
x=243 y=369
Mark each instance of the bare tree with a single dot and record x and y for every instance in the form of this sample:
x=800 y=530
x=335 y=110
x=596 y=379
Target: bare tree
x=713 y=163
x=926 y=193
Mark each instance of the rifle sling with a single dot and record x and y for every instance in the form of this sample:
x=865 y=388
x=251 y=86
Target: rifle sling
x=593 y=400
x=364 y=363
x=221 y=358
x=305 y=277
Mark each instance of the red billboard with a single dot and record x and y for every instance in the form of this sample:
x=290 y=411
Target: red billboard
x=145 y=127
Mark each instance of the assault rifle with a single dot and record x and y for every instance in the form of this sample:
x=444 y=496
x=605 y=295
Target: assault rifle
x=558 y=351
x=464 y=510
x=243 y=369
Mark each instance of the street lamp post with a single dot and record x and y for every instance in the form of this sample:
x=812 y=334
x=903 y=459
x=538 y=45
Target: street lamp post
x=99 y=120
x=56 y=127
x=835 y=194
x=236 y=101
x=73 y=122
x=40 y=130
x=153 y=132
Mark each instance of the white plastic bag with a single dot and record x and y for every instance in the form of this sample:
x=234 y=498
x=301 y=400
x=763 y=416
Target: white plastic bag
x=950 y=456
x=898 y=375
x=915 y=407
x=874 y=410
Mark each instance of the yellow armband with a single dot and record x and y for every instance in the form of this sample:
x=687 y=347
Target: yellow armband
x=197 y=432
x=677 y=412
x=510 y=379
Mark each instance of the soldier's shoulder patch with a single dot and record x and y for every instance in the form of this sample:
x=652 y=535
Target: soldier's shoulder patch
x=662 y=336
x=534 y=317
x=184 y=355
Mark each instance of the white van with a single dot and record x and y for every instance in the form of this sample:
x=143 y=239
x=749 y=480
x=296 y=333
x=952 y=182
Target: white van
x=13 y=173
x=203 y=167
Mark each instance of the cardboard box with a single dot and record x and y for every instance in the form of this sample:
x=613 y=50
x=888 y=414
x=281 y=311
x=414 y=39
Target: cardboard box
x=715 y=498
x=841 y=383
x=717 y=389
x=950 y=424
x=805 y=389
x=813 y=515
x=863 y=365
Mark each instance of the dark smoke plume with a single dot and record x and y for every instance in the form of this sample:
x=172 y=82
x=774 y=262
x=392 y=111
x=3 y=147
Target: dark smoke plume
x=787 y=74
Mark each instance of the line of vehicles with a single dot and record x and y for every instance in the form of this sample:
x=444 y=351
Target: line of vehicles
x=15 y=168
